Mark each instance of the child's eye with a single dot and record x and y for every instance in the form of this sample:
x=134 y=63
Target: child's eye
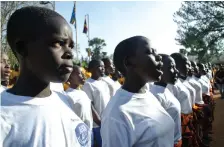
x=58 y=43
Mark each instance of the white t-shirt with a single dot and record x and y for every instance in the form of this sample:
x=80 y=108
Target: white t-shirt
x=81 y=106
x=191 y=90
x=182 y=95
x=111 y=85
x=209 y=75
x=99 y=93
x=197 y=86
x=117 y=85
x=171 y=105
x=132 y=119
x=204 y=77
x=56 y=87
x=204 y=86
x=41 y=122
x=2 y=88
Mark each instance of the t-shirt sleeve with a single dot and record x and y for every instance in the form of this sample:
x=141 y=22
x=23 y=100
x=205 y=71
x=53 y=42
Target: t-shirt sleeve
x=115 y=134
x=88 y=90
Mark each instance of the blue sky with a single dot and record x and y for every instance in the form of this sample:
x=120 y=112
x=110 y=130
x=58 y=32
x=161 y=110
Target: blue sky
x=115 y=21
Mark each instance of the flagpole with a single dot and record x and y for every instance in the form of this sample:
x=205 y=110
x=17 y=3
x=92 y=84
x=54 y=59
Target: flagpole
x=76 y=33
x=88 y=27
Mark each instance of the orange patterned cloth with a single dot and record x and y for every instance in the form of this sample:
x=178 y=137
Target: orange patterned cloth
x=185 y=119
x=66 y=86
x=121 y=80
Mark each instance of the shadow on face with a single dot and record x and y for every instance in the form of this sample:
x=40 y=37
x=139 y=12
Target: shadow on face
x=50 y=56
x=146 y=63
x=170 y=73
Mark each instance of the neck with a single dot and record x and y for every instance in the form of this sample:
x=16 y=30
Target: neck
x=30 y=85
x=74 y=86
x=134 y=84
x=182 y=77
x=95 y=77
x=160 y=83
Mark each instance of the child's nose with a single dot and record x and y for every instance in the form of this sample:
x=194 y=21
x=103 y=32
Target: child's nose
x=68 y=55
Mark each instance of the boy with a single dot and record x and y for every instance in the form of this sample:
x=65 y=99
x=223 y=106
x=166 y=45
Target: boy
x=98 y=92
x=109 y=71
x=183 y=68
x=134 y=117
x=116 y=76
x=166 y=98
x=81 y=103
x=31 y=114
x=5 y=70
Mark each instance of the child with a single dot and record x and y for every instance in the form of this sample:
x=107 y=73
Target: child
x=196 y=85
x=109 y=71
x=98 y=92
x=5 y=70
x=166 y=98
x=31 y=114
x=81 y=102
x=183 y=68
x=116 y=76
x=134 y=117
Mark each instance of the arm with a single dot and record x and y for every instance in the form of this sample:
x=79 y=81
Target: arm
x=96 y=117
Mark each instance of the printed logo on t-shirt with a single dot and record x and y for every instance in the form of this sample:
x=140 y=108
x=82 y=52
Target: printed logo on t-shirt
x=82 y=133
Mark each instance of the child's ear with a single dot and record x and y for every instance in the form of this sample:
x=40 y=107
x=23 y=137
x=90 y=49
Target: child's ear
x=21 y=48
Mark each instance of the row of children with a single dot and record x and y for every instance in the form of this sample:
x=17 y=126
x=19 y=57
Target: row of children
x=165 y=101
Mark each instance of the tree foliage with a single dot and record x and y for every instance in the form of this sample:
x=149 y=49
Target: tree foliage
x=97 y=45
x=201 y=28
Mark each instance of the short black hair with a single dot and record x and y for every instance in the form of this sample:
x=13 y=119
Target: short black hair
x=200 y=65
x=105 y=60
x=26 y=23
x=93 y=64
x=124 y=49
x=178 y=58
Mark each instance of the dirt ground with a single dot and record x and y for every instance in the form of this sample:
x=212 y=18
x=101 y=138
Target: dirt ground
x=218 y=125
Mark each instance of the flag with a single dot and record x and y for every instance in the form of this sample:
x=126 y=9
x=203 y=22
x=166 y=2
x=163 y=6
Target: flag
x=73 y=17
x=85 y=29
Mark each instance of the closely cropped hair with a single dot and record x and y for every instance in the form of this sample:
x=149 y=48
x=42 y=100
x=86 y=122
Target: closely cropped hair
x=26 y=24
x=178 y=58
x=93 y=64
x=124 y=49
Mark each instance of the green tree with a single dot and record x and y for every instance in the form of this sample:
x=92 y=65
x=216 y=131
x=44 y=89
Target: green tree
x=97 y=45
x=7 y=8
x=201 y=28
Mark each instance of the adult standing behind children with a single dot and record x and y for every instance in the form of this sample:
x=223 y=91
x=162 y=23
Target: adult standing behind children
x=31 y=114
x=98 y=92
x=134 y=117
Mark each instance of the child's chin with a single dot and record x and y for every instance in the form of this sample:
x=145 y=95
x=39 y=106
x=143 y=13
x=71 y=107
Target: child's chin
x=63 y=78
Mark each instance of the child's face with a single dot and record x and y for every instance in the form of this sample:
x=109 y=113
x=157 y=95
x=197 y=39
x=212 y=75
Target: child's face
x=184 y=68
x=169 y=71
x=99 y=69
x=146 y=63
x=77 y=77
x=50 y=56
x=109 y=67
x=5 y=68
